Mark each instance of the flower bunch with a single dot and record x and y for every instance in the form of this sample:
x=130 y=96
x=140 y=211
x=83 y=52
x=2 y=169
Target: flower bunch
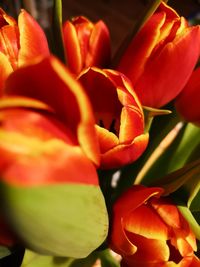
x=89 y=163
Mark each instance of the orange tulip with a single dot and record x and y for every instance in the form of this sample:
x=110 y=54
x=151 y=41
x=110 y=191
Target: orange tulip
x=188 y=102
x=20 y=43
x=161 y=57
x=63 y=95
x=119 y=116
x=149 y=231
x=86 y=44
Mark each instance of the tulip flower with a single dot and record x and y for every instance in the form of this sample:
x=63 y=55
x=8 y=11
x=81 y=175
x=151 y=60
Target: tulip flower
x=188 y=101
x=161 y=57
x=48 y=162
x=149 y=231
x=86 y=44
x=119 y=116
x=20 y=43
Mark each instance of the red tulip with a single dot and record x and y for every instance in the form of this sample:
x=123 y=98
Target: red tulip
x=86 y=43
x=188 y=102
x=149 y=231
x=161 y=57
x=119 y=116
x=20 y=43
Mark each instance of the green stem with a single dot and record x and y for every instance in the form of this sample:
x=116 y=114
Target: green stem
x=57 y=31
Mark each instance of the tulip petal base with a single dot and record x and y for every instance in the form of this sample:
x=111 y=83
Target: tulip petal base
x=47 y=226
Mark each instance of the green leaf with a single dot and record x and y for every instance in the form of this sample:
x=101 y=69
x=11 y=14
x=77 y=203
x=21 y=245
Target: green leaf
x=32 y=259
x=177 y=154
x=60 y=220
x=58 y=45
x=191 y=220
x=175 y=180
x=4 y=251
x=193 y=190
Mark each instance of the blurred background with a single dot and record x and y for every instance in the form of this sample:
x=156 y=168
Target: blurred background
x=119 y=16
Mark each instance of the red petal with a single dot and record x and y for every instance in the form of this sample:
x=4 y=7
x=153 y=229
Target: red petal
x=99 y=46
x=33 y=42
x=162 y=73
x=187 y=103
x=133 y=198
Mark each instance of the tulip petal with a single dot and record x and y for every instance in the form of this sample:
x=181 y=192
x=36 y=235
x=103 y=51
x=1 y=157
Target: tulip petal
x=148 y=250
x=99 y=46
x=124 y=154
x=145 y=222
x=119 y=240
x=183 y=51
x=132 y=124
x=33 y=42
x=98 y=85
x=14 y=102
x=42 y=162
x=107 y=140
x=6 y=19
x=190 y=97
x=63 y=94
x=9 y=44
x=6 y=70
x=141 y=194
x=146 y=39
x=36 y=151
x=72 y=47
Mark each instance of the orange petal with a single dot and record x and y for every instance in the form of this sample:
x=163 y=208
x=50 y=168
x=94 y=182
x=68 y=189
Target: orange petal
x=62 y=93
x=72 y=47
x=132 y=124
x=119 y=241
x=9 y=44
x=124 y=154
x=133 y=61
x=162 y=72
x=107 y=140
x=145 y=222
x=33 y=42
x=6 y=18
x=35 y=151
x=148 y=250
x=6 y=70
